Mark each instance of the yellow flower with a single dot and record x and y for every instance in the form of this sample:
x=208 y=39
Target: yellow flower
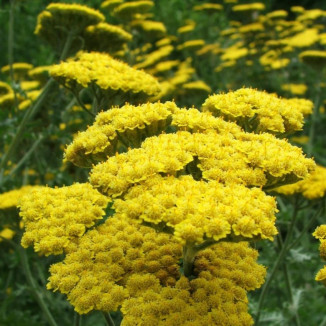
x=127 y=10
x=155 y=56
x=20 y=69
x=55 y=219
x=10 y=199
x=197 y=210
x=249 y=7
x=209 y=7
x=258 y=111
x=216 y=296
x=314 y=57
x=104 y=37
x=6 y=233
x=312 y=187
x=125 y=126
x=191 y=45
x=296 y=89
x=94 y=274
x=197 y=85
x=5 y=89
x=108 y=74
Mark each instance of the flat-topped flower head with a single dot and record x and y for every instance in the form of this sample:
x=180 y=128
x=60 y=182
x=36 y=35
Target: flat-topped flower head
x=94 y=274
x=208 y=7
x=256 y=6
x=20 y=70
x=216 y=296
x=127 y=126
x=312 y=187
x=196 y=211
x=257 y=111
x=243 y=158
x=111 y=4
x=197 y=86
x=11 y=198
x=5 y=88
x=107 y=74
x=152 y=30
x=314 y=58
x=55 y=219
x=59 y=20
x=104 y=37
x=128 y=10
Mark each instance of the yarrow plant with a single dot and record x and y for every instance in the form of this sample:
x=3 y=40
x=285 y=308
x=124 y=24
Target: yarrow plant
x=154 y=214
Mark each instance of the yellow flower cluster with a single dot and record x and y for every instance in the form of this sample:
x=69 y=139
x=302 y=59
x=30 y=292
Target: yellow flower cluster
x=104 y=37
x=249 y=7
x=312 y=187
x=129 y=9
x=94 y=274
x=155 y=56
x=128 y=126
x=107 y=73
x=320 y=234
x=208 y=7
x=249 y=159
x=7 y=96
x=70 y=17
x=198 y=210
x=217 y=296
x=314 y=57
x=10 y=199
x=56 y=218
x=258 y=111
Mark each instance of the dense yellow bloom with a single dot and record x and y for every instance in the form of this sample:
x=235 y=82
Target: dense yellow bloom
x=197 y=210
x=191 y=45
x=166 y=65
x=234 y=53
x=250 y=159
x=5 y=88
x=304 y=39
x=6 y=233
x=257 y=111
x=110 y=4
x=277 y=14
x=94 y=274
x=312 y=187
x=217 y=296
x=186 y=28
x=155 y=56
x=314 y=57
x=107 y=73
x=7 y=101
x=59 y=18
x=210 y=7
x=249 y=7
x=18 y=67
x=104 y=37
x=10 y=199
x=29 y=85
x=197 y=85
x=152 y=29
x=296 y=89
x=127 y=10
x=55 y=218
x=128 y=126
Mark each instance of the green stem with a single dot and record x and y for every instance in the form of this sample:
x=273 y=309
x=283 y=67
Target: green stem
x=66 y=48
x=314 y=119
x=189 y=253
x=30 y=280
x=288 y=283
x=79 y=101
x=277 y=263
x=108 y=319
x=77 y=319
x=11 y=49
x=306 y=228
x=26 y=156
x=28 y=115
